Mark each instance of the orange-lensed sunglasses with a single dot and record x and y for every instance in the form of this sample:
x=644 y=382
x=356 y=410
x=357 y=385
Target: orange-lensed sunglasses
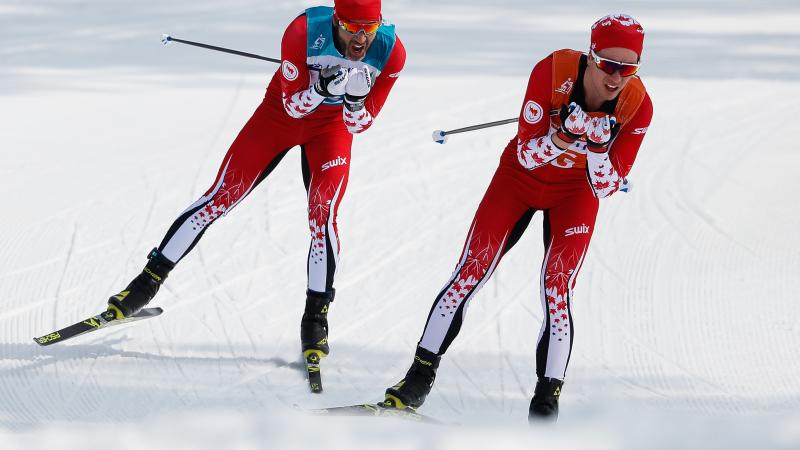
x=368 y=28
x=610 y=66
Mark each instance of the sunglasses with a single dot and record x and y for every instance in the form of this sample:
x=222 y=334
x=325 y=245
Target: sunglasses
x=368 y=28
x=610 y=66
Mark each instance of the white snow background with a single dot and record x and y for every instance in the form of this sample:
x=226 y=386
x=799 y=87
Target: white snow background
x=686 y=310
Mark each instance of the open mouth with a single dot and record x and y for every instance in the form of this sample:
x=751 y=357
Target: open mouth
x=611 y=87
x=357 y=50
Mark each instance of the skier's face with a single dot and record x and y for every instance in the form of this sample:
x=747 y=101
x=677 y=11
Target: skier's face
x=354 y=46
x=608 y=86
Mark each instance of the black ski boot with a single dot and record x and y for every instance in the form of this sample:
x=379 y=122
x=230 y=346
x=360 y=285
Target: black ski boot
x=411 y=391
x=544 y=405
x=143 y=288
x=314 y=324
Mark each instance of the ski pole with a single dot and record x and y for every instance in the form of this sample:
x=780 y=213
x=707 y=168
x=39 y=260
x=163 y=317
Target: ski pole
x=440 y=136
x=166 y=39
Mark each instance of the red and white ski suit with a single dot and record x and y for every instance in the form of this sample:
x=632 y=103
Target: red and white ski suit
x=285 y=119
x=534 y=175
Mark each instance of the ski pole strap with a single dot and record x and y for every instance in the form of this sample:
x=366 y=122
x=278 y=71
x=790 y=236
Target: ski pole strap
x=167 y=39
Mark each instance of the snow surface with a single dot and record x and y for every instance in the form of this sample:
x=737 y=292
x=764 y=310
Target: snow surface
x=688 y=324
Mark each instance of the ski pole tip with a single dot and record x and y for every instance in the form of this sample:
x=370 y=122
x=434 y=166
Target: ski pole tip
x=165 y=38
x=439 y=137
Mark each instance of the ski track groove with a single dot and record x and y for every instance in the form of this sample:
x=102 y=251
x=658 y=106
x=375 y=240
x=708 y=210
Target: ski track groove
x=523 y=388
x=497 y=404
x=212 y=147
x=500 y=353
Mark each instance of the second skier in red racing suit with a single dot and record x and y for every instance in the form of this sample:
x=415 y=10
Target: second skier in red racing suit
x=582 y=121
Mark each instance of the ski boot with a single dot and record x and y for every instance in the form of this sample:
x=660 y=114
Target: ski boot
x=143 y=288
x=411 y=391
x=314 y=325
x=544 y=405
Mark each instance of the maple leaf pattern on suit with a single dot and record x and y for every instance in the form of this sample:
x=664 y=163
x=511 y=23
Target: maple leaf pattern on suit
x=320 y=200
x=482 y=255
x=302 y=103
x=559 y=280
x=603 y=178
x=537 y=152
x=234 y=187
x=356 y=121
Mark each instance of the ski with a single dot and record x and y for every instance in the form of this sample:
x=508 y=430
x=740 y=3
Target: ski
x=375 y=409
x=312 y=359
x=102 y=320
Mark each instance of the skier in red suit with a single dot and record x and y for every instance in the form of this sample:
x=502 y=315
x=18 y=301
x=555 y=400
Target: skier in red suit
x=338 y=66
x=582 y=122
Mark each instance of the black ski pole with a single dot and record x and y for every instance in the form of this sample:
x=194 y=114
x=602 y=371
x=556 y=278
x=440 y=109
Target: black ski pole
x=166 y=39
x=440 y=136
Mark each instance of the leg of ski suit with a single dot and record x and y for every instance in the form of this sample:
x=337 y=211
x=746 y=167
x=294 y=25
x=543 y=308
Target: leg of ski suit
x=505 y=211
x=257 y=150
x=326 y=166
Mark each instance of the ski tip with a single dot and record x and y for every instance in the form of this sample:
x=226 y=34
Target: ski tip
x=47 y=339
x=149 y=312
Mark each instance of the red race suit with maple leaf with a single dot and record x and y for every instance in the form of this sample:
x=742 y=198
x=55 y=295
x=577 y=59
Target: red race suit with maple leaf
x=294 y=114
x=535 y=175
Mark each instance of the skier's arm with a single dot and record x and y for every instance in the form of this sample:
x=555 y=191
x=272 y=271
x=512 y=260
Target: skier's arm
x=299 y=98
x=360 y=119
x=608 y=169
x=535 y=147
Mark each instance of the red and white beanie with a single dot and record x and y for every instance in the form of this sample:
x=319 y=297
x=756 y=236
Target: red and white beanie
x=361 y=10
x=618 y=30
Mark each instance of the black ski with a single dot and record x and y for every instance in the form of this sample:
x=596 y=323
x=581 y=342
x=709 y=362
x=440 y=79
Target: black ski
x=375 y=409
x=312 y=358
x=102 y=320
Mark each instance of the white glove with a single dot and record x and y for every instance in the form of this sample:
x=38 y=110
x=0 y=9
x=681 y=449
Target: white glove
x=358 y=85
x=573 y=123
x=332 y=81
x=600 y=132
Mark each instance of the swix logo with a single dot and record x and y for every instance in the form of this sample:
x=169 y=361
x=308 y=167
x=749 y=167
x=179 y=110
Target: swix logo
x=394 y=75
x=319 y=43
x=565 y=87
x=580 y=229
x=339 y=161
x=639 y=130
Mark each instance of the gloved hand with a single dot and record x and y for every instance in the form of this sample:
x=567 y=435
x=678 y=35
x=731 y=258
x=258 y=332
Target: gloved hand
x=600 y=132
x=332 y=81
x=358 y=85
x=573 y=123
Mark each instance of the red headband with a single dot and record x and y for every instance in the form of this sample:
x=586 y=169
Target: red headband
x=618 y=30
x=364 y=10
